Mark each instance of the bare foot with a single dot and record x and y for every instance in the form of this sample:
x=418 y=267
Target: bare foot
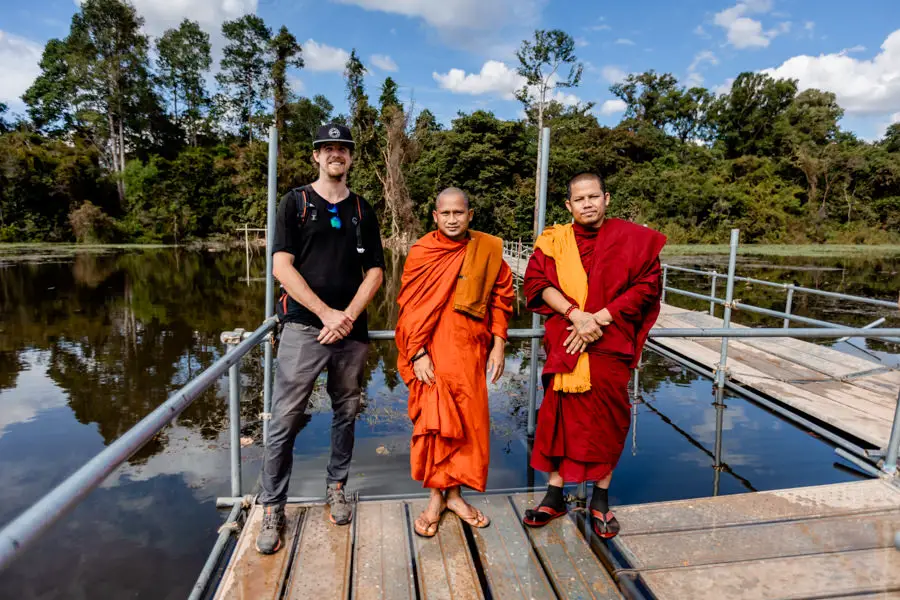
x=426 y=524
x=467 y=512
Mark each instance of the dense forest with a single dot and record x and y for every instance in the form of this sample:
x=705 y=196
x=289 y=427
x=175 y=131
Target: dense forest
x=126 y=141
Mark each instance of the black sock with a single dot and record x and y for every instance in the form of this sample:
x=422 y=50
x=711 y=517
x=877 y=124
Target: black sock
x=600 y=500
x=554 y=498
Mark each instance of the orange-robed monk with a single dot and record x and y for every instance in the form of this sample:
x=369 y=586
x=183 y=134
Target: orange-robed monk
x=455 y=302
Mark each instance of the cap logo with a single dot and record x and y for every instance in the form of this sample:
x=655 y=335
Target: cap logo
x=334 y=133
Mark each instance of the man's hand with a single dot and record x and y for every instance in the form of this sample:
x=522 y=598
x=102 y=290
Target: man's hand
x=497 y=359
x=336 y=325
x=424 y=370
x=603 y=317
x=584 y=330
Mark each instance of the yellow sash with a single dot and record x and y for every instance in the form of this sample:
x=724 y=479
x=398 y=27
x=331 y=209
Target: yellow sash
x=558 y=242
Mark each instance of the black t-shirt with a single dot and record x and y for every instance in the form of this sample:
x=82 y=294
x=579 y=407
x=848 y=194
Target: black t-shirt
x=325 y=251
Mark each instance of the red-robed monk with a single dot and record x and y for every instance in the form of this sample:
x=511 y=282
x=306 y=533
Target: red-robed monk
x=455 y=302
x=598 y=281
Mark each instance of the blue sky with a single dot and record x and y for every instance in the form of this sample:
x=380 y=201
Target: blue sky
x=459 y=55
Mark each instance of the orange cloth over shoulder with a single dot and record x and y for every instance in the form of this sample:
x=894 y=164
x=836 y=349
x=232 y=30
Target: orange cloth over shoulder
x=445 y=286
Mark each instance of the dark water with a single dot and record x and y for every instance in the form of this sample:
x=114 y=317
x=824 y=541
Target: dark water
x=90 y=343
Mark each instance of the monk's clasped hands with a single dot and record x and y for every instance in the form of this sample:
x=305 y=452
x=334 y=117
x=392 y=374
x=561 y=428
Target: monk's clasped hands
x=585 y=329
x=423 y=368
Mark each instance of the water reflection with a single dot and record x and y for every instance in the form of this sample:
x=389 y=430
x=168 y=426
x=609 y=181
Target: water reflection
x=91 y=343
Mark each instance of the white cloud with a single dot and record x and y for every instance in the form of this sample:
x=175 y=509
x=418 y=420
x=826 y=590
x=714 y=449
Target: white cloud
x=613 y=107
x=322 y=57
x=496 y=79
x=857 y=48
x=624 y=42
x=19 y=58
x=160 y=15
x=861 y=86
x=744 y=32
x=450 y=15
x=703 y=57
x=384 y=62
x=725 y=88
x=613 y=74
x=603 y=27
x=297 y=85
x=694 y=77
x=700 y=31
x=809 y=26
x=581 y=42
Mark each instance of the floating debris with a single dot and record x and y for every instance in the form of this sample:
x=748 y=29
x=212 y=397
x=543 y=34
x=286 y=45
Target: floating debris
x=246 y=441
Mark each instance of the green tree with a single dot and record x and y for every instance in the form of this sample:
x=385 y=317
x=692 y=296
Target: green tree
x=286 y=53
x=363 y=119
x=389 y=96
x=245 y=70
x=541 y=61
x=649 y=97
x=745 y=119
x=51 y=97
x=183 y=60
x=891 y=139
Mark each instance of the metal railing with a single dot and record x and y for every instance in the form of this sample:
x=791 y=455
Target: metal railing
x=24 y=530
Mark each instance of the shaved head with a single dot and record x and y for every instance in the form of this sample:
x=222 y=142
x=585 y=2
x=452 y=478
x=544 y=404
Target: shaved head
x=448 y=192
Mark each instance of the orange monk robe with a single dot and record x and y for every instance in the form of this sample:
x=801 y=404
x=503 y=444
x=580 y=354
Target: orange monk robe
x=442 y=293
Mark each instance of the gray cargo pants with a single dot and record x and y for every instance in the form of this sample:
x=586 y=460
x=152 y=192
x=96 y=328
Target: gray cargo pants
x=301 y=358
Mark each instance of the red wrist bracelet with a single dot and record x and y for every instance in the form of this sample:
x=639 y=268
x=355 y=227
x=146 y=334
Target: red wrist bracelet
x=570 y=309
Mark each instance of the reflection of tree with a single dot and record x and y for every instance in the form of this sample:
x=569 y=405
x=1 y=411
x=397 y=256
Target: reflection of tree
x=10 y=366
x=383 y=314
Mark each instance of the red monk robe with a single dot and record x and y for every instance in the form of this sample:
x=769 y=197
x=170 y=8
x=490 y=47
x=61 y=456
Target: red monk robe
x=451 y=419
x=581 y=435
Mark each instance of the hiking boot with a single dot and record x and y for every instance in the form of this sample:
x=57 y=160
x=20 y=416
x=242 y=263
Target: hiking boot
x=335 y=498
x=269 y=539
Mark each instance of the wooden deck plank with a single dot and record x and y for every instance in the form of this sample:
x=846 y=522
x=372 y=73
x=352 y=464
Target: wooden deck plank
x=816 y=576
x=444 y=565
x=760 y=541
x=321 y=567
x=575 y=571
x=772 y=506
x=382 y=565
x=822 y=359
x=855 y=421
x=251 y=575
x=510 y=564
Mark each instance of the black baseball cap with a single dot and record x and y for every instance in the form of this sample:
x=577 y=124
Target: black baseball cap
x=333 y=133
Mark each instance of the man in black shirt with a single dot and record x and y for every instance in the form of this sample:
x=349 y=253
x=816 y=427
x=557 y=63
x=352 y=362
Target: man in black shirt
x=329 y=259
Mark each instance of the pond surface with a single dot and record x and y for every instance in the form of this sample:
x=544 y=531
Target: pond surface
x=91 y=342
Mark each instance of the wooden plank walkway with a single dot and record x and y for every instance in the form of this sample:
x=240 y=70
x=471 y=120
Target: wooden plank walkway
x=379 y=557
x=833 y=541
x=849 y=393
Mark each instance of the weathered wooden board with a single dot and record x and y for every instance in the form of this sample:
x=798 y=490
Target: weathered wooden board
x=251 y=575
x=321 y=569
x=575 y=571
x=511 y=566
x=382 y=566
x=445 y=568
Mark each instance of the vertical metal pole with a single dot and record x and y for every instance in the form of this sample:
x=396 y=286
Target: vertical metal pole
x=665 y=277
x=535 y=318
x=247 y=250
x=729 y=297
x=788 y=305
x=712 y=293
x=270 y=279
x=890 y=461
x=720 y=417
x=234 y=420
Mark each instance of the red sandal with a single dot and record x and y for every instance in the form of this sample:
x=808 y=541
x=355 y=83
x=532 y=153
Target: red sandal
x=604 y=525
x=542 y=515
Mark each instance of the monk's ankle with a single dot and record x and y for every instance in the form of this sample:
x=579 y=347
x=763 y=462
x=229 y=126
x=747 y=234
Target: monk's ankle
x=600 y=500
x=554 y=498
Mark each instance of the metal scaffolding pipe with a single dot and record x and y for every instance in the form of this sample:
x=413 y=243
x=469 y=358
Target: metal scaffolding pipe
x=890 y=459
x=210 y=566
x=729 y=297
x=270 y=276
x=536 y=318
x=27 y=527
x=234 y=418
